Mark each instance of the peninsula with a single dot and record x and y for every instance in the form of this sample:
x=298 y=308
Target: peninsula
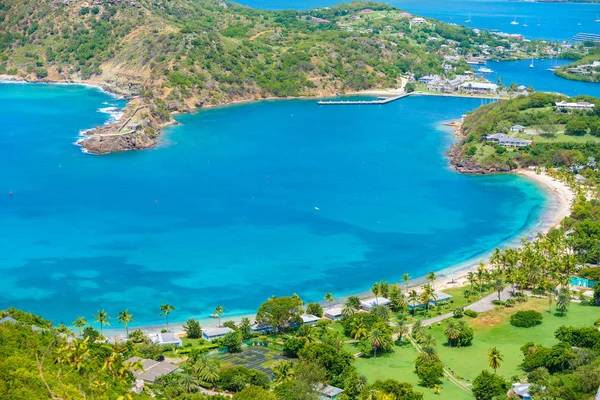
x=176 y=56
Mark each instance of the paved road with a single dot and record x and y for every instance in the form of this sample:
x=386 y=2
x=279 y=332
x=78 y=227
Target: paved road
x=482 y=305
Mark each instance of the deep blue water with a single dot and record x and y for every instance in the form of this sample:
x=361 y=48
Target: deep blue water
x=239 y=204
x=556 y=21
x=539 y=77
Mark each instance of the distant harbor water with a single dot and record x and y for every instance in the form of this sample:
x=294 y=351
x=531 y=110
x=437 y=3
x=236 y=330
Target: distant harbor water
x=556 y=21
x=241 y=203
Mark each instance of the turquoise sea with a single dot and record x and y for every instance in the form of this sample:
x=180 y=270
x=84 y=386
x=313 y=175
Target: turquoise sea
x=239 y=204
x=248 y=201
x=556 y=21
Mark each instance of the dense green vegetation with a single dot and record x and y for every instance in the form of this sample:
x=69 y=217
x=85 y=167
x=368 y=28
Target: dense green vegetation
x=582 y=69
x=190 y=53
x=543 y=123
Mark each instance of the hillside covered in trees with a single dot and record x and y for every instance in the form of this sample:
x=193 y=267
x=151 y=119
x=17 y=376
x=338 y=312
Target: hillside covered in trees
x=557 y=138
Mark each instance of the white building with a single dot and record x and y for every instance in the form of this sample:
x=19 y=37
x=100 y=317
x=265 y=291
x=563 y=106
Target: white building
x=215 y=333
x=418 y=21
x=166 y=338
x=333 y=313
x=480 y=87
x=582 y=105
x=309 y=319
x=508 y=141
x=371 y=302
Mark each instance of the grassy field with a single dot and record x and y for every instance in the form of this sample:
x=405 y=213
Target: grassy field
x=399 y=365
x=492 y=329
x=561 y=138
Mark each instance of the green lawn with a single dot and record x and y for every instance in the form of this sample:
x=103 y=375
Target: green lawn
x=492 y=329
x=399 y=365
x=561 y=138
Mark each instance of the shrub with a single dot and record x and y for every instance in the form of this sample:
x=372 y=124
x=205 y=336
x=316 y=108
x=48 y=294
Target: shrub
x=430 y=373
x=314 y=309
x=292 y=346
x=526 y=318
x=459 y=312
x=510 y=303
x=192 y=329
x=138 y=336
x=487 y=385
x=597 y=322
x=471 y=313
x=498 y=302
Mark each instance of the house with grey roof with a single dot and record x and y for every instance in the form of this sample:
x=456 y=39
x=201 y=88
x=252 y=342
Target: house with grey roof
x=8 y=319
x=517 y=128
x=368 y=304
x=215 y=332
x=309 y=319
x=508 y=141
x=152 y=369
x=333 y=313
x=164 y=338
x=327 y=392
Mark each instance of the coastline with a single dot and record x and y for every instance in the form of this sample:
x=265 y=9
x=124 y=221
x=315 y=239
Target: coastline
x=452 y=276
x=560 y=197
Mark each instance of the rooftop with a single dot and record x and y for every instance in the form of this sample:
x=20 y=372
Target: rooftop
x=306 y=318
x=374 y=301
x=8 y=319
x=152 y=369
x=216 y=331
x=335 y=311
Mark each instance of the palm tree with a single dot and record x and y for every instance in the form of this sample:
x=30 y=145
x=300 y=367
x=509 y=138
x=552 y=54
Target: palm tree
x=206 y=370
x=413 y=299
x=80 y=322
x=550 y=302
x=166 y=309
x=406 y=278
x=452 y=332
x=495 y=358
x=376 y=339
x=431 y=293
x=431 y=277
x=328 y=298
x=480 y=276
x=125 y=317
x=425 y=298
x=283 y=371
x=471 y=278
x=218 y=311
x=103 y=318
x=189 y=382
x=563 y=300
x=348 y=310
x=400 y=328
x=358 y=330
x=376 y=289
x=499 y=286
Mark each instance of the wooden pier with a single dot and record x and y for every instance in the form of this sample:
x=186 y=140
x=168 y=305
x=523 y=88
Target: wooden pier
x=379 y=101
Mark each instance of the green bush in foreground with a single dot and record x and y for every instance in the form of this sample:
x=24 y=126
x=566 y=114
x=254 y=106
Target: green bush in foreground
x=487 y=385
x=526 y=318
x=471 y=313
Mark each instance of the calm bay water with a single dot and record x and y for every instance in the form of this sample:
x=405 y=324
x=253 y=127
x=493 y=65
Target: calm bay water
x=544 y=20
x=241 y=203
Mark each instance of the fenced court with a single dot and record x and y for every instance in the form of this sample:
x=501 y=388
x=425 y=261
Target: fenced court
x=258 y=358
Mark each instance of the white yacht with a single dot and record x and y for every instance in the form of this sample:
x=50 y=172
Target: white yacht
x=514 y=22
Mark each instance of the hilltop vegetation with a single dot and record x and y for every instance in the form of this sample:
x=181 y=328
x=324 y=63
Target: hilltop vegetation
x=189 y=53
x=558 y=138
x=583 y=69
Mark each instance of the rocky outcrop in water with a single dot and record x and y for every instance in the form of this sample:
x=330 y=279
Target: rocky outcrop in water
x=118 y=142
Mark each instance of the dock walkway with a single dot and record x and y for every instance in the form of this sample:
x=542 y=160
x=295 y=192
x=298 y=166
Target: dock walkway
x=379 y=101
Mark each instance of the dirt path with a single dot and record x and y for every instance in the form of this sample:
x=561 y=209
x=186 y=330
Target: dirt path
x=260 y=33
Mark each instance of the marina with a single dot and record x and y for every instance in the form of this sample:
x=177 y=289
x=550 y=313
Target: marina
x=379 y=101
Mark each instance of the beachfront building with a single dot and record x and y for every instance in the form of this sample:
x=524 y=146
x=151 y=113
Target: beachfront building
x=215 y=333
x=479 y=87
x=508 y=141
x=327 y=392
x=152 y=369
x=261 y=328
x=441 y=297
x=368 y=304
x=333 y=313
x=517 y=128
x=165 y=338
x=426 y=79
x=309 y=319
x=582 y=105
